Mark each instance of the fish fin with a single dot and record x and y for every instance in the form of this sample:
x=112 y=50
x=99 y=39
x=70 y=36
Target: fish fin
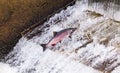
x=70 y=37
x=60 y=41
x=54 y=33
x=44 y=46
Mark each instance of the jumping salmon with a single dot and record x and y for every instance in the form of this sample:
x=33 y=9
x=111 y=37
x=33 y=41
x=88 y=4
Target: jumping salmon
x=59 y=36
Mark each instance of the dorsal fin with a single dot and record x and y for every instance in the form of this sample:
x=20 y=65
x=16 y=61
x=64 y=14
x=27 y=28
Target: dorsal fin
x=54 y=33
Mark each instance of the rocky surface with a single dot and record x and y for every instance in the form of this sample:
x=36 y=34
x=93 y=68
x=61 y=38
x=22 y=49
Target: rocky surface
x=17 y=15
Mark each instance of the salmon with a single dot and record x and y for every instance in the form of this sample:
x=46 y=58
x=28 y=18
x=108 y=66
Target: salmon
x=59 y=36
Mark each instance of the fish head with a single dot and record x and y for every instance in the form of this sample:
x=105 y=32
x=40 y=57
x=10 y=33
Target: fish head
x=71 y=30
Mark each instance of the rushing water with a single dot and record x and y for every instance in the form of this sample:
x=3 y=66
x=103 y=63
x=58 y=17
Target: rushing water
x=28 y=57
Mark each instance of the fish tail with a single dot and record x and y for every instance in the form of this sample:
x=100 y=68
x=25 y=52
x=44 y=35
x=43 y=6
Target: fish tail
x=44 y=46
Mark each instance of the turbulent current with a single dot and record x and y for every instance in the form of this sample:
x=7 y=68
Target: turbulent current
x=92 y=48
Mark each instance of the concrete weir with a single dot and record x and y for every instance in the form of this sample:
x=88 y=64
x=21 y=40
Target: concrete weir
x=18 y=15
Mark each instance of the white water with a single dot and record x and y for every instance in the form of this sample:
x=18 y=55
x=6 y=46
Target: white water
x=28 y=57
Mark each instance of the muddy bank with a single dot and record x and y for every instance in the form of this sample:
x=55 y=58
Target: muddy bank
x=17 y=15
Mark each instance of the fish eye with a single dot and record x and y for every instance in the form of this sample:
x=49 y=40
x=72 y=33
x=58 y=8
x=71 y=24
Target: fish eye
x=71 y=30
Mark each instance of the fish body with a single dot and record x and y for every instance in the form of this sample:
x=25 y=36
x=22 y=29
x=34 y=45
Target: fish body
x=59 y=36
